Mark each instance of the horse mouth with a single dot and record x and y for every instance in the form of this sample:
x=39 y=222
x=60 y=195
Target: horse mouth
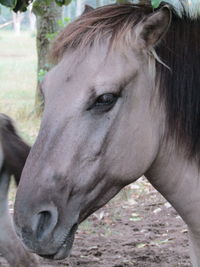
x=65 y=249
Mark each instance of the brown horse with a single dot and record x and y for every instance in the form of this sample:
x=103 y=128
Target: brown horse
x=123 y=100
x=13 y=154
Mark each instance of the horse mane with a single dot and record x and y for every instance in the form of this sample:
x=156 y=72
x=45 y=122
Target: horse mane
x=180 y=87
x=180 y=50
x=15 y=150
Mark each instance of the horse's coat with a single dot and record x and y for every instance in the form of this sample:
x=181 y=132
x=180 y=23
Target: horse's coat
x=114 y=111
x=13 y=153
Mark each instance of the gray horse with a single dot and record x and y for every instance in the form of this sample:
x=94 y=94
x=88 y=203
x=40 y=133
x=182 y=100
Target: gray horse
x=13 y=154
x=123 y=101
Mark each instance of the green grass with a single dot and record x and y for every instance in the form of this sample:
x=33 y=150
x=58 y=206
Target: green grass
x=18 y=65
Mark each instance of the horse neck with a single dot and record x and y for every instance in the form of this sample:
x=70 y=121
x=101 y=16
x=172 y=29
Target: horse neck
x=176 y=178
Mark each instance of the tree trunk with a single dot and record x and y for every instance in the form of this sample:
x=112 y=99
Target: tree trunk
x=79 y=7
x=32 y=19
x=17 y=18
x=47 y=25
x=98 y=3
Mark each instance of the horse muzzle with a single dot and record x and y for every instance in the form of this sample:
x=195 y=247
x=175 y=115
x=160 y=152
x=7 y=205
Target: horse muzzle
x=44 y=235
x=64 y=250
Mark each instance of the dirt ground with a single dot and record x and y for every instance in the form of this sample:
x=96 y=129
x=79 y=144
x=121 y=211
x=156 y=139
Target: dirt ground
x=137 y=228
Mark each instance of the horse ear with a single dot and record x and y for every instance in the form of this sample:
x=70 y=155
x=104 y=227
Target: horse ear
x=154 y=27
x=87 y=9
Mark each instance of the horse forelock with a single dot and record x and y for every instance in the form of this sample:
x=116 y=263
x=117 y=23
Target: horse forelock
x=111 y=21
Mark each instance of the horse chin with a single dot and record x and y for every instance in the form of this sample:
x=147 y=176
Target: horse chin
x=65 y=249
x=63 y=252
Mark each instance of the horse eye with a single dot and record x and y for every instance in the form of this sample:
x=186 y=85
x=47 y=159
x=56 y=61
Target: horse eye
x=104 y=102
x=106 y=99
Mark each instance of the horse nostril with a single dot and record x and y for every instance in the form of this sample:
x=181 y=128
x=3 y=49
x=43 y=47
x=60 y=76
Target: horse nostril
x=44 y=221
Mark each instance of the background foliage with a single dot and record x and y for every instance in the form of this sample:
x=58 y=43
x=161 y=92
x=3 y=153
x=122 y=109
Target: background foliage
x=21 y=5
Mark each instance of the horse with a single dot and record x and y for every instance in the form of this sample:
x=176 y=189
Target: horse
x=13 y=154
x=123 y=100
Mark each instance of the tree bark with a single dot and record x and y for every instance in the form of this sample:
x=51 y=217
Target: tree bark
x=17 y=18
x=32 y=19
x=47 y=24
x=79 y=7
